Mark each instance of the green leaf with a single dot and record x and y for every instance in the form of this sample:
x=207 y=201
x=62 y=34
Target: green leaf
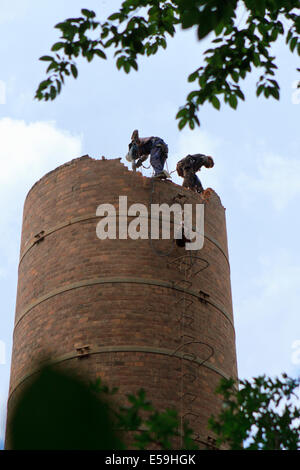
x=193 y=76
x=256 y=59
x=58 y=83
x=52 y=66
x=288 y=36
x=57 y=46
x=235 y=76
x=219 y=28
x=61 y=25
x=52 y=92
x=100 y=53
x=202 y=81
x=46 y=58
x=293 y=43
x=126 y=67
x=89 y=55
x=134 y=64
x=189 y=17
x=215 y=102
x=274 y=34
x=259 y=90
x=240 y=94
x=233 y=102
x=262 y=28
x=120 y=62
x=44 y=84
x=182 y=123
x=181 y=113
x=88 y=13
x=192 y=95
x=275 y=92
x=204 y=29
x=39 y=95
x=74 y=70
x=114 y=16
x=273 y=83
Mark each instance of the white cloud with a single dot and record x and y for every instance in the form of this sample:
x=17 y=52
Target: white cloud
x=28 y=151
x=278 y=179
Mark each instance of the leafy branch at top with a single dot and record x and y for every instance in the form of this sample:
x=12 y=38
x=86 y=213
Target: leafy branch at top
x=235 y=50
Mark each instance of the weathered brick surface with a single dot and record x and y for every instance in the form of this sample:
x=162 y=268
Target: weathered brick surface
x=155 y=314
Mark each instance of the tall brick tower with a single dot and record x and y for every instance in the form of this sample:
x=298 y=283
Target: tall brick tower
x=137 y=313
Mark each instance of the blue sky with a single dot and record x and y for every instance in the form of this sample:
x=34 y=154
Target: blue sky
x=256 y=173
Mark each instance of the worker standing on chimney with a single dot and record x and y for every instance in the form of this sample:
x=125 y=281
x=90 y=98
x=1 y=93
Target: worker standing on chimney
x=141 y=147
x=187 y=168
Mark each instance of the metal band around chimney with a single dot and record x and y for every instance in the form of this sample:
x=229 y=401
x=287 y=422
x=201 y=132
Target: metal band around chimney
x=116 y=280
x=33 y=241
x=123 y=348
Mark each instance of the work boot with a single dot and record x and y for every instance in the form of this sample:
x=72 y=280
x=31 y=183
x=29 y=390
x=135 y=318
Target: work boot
x=162 y=175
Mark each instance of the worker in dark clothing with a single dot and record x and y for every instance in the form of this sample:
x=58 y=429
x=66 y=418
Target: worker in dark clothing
x=141 y=148
x=187 y=168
